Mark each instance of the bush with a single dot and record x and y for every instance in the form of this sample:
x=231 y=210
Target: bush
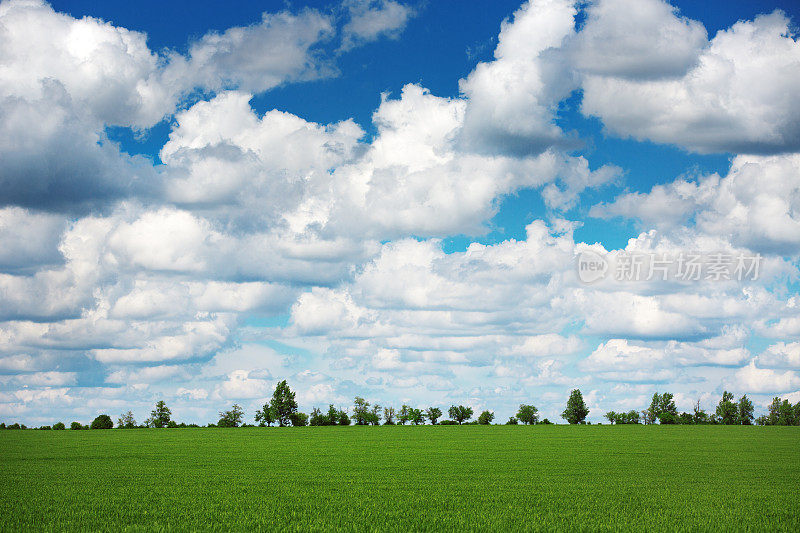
x=298 y=419
x=512 y=421
x=59 y=425
x=102 y=422
x=448 y=423
x=75 y=425
x=45 y=427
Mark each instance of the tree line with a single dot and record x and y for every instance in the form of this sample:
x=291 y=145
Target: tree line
x=282 y=411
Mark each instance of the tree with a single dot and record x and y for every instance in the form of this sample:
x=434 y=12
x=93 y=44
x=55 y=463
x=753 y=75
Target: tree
x=727 y=411
x=59 y=425
x=416 y=416
x=576 y=410
x=283 y=403
x=647 y=417
x=160 y=416
x=232 y=418
x=388 y=416
x=298 y=419
x=611 y=416
x=512 y=421
x=374 y=416
x=460 y=413
x=433 y=414
x=745 y=411
x=699 y=416
x=662 y=408
x=76 y=425
x=266 y=415
x=126 y=421
x=485 y=418
x=787 y=417
x=402 y=416
x=317 y=418
x=344 y=420
x=631 y=417
x=102 y=422
x=528 y=414
x=334 y=415
x=360 y=411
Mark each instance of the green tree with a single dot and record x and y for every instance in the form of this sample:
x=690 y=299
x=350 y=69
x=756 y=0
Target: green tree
x=460 y=413
x=76 y=425
x=334 y=415
x=317 y=418
x=360 y=411
x=160 y=416
x=402 y=416
x=787 y=417
x=374 y=415
x=59 y=425
x=699 y=416
x=576 y=411
x=528 y=414
x=663 y=409
x=746 y=411
x=283 y=403
x=232 y=418
x=298 y=419
x=126 y=421
x=727 y=410
x=611 y=416
x=433 y=414
x=344 y=420
x=512 y=421
x=416 y=416
x=485 y=418
x=266 y=415
x=102 y=422
x=388 y=416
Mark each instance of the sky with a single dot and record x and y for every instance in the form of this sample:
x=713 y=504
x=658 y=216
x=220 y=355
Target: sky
x=422 y=203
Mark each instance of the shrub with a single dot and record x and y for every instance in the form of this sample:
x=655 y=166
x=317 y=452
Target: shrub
x=75 y=425
x=59 y=425
x=102 y=422
x=298 y=419
x=448 y=423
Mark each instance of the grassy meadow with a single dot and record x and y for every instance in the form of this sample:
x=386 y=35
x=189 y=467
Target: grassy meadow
x=424 y=478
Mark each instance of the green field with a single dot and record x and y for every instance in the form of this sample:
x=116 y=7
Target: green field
x=403 y=478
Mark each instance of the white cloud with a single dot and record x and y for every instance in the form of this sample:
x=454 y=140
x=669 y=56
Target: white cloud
x=764 y=380
x=716 y=106
x=150 y=374
x=756 y=203
x=371 y=19
x=781 y=355
x=643 y=39
x=513 y=99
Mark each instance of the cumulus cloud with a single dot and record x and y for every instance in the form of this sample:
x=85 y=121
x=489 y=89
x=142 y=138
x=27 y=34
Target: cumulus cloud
x=637 y=40
x=513 y=100
x=371 y=19
x=264 y=240
x=756 y=203
x=714 y=106
x=764 y=380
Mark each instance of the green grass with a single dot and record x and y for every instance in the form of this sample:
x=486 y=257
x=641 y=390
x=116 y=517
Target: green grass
x=403 y=478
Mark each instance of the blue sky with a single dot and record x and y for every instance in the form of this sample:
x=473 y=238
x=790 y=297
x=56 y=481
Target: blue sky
x=388 y=198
